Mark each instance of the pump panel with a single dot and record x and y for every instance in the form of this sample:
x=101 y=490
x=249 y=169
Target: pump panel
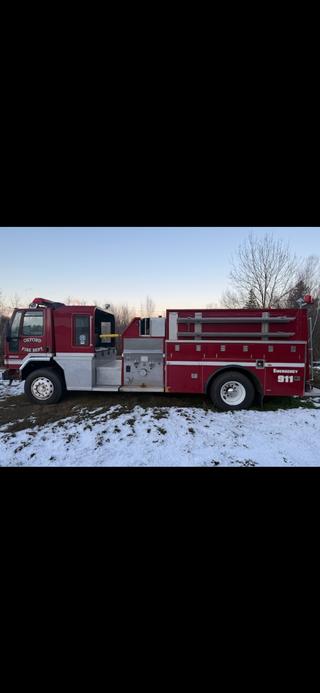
x=143 y=363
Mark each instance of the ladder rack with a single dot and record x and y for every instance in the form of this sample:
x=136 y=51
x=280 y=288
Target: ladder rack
x=221 y=321
x=264 y=320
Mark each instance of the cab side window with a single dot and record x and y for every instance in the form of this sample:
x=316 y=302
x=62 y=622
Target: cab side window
x=81 y=330
x=33 y=324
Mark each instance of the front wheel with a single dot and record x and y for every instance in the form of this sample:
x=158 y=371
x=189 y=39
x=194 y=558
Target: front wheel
x=231 y=391
x=43 y=386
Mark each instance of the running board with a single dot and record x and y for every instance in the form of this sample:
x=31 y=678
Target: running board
x=105 y=388
x=127 y=388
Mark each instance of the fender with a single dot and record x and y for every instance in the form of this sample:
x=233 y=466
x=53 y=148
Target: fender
x=34 y=357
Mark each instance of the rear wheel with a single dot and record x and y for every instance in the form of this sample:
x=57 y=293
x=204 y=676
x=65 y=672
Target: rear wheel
x=43 y=386
x=231 y=391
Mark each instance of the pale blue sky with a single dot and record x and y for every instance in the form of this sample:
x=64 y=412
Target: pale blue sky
x=176 y=267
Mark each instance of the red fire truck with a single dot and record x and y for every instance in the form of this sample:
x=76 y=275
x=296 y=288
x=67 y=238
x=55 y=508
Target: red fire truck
x=232 y=356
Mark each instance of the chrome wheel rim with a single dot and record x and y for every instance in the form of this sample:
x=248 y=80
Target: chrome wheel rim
x=42 y=388
x=233 y=393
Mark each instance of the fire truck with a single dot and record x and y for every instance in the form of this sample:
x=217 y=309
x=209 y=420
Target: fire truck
x=233 y=356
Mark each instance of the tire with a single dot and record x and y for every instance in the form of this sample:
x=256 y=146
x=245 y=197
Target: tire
x=239 y=395
x=43 y=386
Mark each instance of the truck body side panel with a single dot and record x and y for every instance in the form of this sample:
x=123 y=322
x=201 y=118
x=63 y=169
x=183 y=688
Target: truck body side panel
x=270 y=345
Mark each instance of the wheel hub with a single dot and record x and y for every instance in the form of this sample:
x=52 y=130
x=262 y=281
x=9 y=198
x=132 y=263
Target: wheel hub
x=42 y=388
x=233 y=393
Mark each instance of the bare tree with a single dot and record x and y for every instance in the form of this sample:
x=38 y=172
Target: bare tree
x=230 y=299
x=266 y=267
x=148 y=308
x=309 y=273
x=71 y=301
x=123 y=315
x=15 y=301
x=214 y=304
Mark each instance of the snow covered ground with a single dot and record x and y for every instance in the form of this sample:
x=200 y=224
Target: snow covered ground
x=162 y=436
x=168 y=437
x=6 y=390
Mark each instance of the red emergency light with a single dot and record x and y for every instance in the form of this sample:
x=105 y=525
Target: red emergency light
x=44 y=303
x=308 y=298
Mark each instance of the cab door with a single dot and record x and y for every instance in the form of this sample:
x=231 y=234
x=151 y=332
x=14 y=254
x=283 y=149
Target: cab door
x=32 y=338
x=25 y=335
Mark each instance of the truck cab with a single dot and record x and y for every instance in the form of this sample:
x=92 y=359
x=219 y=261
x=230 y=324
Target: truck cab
x=28 y=333
x=55 y=347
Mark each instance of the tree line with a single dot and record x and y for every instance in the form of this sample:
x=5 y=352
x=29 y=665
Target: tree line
x=266 y=274
x=122 y=312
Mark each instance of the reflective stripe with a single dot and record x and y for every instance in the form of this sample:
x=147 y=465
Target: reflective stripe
x=72 y=354
x=234 y=363
x=233 y=341
x=286 y=365
x=34 y=357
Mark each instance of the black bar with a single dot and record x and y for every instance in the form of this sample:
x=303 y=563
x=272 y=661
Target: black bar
x=230 y=320
x=198 y=335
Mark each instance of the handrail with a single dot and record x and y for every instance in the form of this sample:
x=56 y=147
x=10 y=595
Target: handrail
x=217 y=321
x=198 y=335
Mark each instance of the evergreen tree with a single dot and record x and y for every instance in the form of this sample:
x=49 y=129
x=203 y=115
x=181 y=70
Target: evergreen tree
x=298 y=291
x=252 y=301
